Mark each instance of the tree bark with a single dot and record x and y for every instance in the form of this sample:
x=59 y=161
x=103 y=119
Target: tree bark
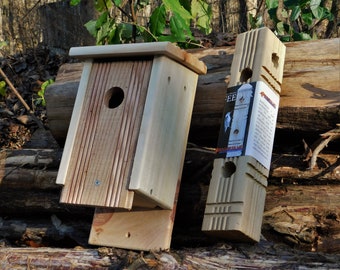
x=264 y=255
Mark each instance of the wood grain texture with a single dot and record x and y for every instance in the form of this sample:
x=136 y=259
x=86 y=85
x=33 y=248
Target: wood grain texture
x=141 y=49
x=312 y=74
x=164 y=131
x=259 y=56
x=138 y=229
x=101 y=158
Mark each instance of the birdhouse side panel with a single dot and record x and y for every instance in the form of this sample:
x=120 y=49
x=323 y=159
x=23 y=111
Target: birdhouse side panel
x=164 y=132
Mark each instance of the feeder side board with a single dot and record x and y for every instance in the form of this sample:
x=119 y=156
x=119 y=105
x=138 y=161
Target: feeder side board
x=259 y=56
x=237 y=190
x=233 y=209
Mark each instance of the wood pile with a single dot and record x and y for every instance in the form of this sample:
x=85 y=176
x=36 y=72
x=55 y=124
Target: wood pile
x=301 y=223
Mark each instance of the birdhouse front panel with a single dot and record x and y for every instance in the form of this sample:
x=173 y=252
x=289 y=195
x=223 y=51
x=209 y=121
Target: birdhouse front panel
x=106 y=135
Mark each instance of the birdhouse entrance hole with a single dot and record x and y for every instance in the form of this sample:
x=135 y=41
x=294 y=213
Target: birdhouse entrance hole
x=246 y=74
x=114 y=97
x=228 y=169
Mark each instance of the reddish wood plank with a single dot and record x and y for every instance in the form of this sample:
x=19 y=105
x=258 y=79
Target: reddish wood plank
x=106 y=137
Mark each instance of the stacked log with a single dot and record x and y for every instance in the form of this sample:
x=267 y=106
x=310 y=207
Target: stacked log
x=302 y=206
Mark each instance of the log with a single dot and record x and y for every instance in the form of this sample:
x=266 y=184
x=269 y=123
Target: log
x=29 y=168
x=301 y=206
x=46 y=230
x=303 y=216
x=52 y=258
x=264 y=255
x=310 y=91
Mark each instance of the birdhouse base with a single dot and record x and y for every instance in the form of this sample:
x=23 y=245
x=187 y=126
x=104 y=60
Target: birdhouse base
x=138 y=229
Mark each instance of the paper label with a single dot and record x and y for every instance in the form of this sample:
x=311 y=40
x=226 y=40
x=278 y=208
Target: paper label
x=249 y=122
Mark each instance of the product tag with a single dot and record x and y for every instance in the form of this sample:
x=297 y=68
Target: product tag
x=249 y=122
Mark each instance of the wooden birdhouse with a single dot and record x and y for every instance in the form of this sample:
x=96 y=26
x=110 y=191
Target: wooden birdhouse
x=128 y=132
x=237 y=190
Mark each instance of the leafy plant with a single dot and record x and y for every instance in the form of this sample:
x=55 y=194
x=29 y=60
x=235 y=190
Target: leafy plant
x=171 y=20
x=41 y=93
x=297 y=19
x=2 y=88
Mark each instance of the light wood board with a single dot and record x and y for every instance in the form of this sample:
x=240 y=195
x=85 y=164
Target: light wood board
x=164 y=131
x=259 y=56
x=141 y=49
x=137 y=229
x=101 y=151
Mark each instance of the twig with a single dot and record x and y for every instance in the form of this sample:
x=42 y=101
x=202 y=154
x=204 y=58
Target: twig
x=15 y=91
x=321 y=144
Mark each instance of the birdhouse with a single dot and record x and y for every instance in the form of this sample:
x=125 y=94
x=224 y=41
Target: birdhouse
x=237 y=190
x=127 y=137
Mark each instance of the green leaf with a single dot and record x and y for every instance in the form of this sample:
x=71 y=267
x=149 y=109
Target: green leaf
x=316 y=9
x=2 y=88
x=318 y=12
x=301 y=36
x=91 y=27
x=175 y=7
x=179 y=29
x=307 y=18
x=280 y=29
x=255 y=22
x=171 y=39
x=123 y=33
x=41 y=92
x=303 y=3
x=158 y=21
x=201 y=11
x=296 y=11
x=284 y=31
x=103 y=18
x=146 y=34
x=74 y=2
x=117 y=2
x=272 y=4
x=284 y=13
x=315 y=4
x=102 y=5
x=328 y=15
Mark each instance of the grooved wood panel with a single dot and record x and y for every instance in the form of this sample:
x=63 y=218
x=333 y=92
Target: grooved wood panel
x=235 y=204
x=237 y=192
x=259 y=56
x=105 y=140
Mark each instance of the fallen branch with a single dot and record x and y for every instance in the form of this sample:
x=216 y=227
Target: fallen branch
x=15 y=91
x=313 y=151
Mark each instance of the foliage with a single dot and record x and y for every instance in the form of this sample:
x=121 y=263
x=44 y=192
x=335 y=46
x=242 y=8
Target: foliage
x=41 y=93
x=170 y=21
x=2 y=88
x=295 y=19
